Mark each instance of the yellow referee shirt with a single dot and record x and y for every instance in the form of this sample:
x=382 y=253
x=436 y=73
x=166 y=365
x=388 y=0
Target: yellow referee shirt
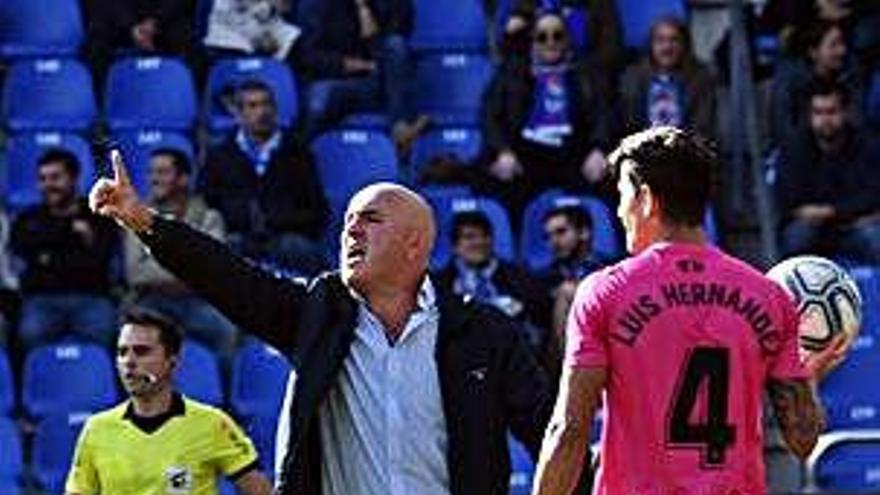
x=183 y=455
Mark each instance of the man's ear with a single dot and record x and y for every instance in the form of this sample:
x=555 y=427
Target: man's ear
x=648 y=202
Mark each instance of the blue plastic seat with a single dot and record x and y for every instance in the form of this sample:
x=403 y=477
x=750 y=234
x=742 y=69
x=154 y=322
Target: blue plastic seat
x=533 y=244
x=68 y=378
x=464 y=142
x=261 y=429
x=54 y=443
x=25 y=151
x=522 y=468
x=451 y=24
x=48 y=94
x=845 y=462
x=446 y=206
x=868 y=280
x=259 y=379
x=150 y=92
x=227 y=74
x=11 y=457
x=137 y=145
x=7 y=386
x=637 y=16
x=198 y=375
x=451 y=84
x=851 y=400
x=348 y=160
x=32 y=28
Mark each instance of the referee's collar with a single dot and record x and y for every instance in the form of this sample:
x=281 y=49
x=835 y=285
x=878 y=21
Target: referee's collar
x=153 y=423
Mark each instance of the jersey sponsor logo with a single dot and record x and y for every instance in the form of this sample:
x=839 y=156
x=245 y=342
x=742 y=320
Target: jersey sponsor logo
x=178 y=480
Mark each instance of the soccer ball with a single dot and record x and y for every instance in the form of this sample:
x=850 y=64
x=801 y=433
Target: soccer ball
x=828 y=299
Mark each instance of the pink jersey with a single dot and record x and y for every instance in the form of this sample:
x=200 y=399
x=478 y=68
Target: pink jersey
x=689 y=336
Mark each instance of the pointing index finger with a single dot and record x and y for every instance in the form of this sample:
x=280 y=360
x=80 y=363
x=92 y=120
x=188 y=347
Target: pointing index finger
x=119 y=170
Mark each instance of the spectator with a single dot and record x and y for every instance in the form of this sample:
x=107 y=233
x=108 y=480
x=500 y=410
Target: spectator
x=159 y=27
x=545 y=120
x=8 y=282
x=669 y=86
x=250 y=27
x=828 y=184
x=826 y=61
x=476 y=272
x=569 y=232
x=265 y=185
x=152 y=285
x=67 y=253
x=356 y=56
x=601 y=25
x=159 y=441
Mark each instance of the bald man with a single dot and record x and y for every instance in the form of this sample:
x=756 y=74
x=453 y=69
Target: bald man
x=400 y=389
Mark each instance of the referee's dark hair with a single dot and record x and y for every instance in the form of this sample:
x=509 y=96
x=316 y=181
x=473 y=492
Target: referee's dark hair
x=170 y=333
x=677 y=165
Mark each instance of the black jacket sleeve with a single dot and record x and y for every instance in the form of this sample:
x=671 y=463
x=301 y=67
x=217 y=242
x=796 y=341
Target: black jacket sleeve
x=251 y=298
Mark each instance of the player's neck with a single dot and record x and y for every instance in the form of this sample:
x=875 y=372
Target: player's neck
x=154 y=404
x=681 y=234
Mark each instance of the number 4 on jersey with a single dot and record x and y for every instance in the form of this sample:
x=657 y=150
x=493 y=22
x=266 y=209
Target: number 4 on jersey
x=712 y=434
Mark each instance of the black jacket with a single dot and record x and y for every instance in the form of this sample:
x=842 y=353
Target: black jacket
x=287 y=198
x=489 y=381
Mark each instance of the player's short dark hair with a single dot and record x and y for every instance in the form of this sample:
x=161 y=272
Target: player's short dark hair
x=575 y=215
x=62 y=156
x=170 y=333
x=178 y=159
x=251 y=85
x=677 y=165
x=474 y=218
x=823 y=88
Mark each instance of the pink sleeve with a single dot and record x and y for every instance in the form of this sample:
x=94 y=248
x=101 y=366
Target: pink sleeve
x=586 y=341
x=787 y=363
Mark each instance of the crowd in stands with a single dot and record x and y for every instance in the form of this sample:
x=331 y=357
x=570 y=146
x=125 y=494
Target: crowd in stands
x=518 y=113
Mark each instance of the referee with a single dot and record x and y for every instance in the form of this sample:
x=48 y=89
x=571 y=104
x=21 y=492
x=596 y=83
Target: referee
x=159 y=441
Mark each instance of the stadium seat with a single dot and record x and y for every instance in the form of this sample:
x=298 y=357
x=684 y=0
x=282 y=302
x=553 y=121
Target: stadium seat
x=11 y=457
x=450 y=24
x=850 y=400
x=522 y=468
x=150 y=92
x=446 y=206
x=533 y=244
x=451 y=84
x=845 y=462
x=137 y=145
x=7 y=386
x=259 y=379
x=48 y=94
x=226 y=74
x=261 y=429
x=68 y=378
x=868 y=280
x=24 y=152
x=464 y=142
x=636 y=17
x=54 y=443
x=346 y=161
x=34 y=28
x=198 y=375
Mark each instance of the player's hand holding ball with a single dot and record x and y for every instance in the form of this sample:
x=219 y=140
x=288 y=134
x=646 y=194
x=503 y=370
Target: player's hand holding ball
x=829 y=306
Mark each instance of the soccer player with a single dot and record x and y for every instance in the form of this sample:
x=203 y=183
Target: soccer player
x=159 y=441
x=683 y=340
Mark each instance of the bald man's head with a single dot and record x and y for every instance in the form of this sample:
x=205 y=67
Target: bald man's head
x=387 y=239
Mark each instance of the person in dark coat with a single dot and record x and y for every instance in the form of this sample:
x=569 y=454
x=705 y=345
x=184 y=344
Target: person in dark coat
x=398 y=385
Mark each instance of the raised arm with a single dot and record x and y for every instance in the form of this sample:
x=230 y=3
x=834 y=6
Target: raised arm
x=253 y=299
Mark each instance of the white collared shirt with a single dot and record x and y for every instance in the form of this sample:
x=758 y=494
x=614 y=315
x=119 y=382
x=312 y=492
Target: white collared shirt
x=383 y=431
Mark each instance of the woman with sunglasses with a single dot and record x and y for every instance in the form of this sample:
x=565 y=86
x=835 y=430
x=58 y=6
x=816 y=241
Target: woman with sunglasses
x=545 y=119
